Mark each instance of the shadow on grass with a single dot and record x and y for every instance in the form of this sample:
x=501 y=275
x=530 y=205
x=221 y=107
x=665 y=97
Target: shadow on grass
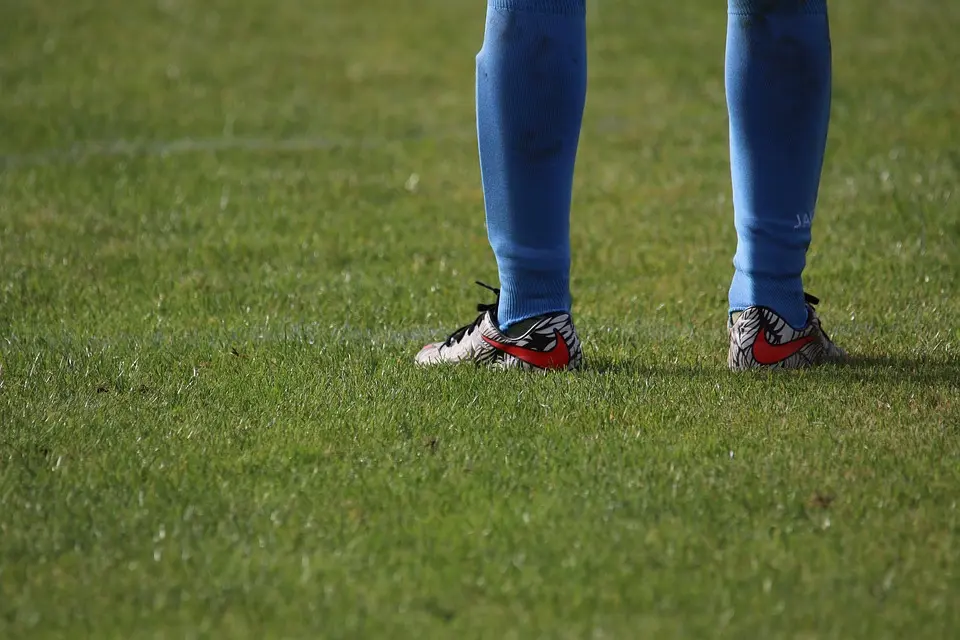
x=892 y=368
x=923 y=369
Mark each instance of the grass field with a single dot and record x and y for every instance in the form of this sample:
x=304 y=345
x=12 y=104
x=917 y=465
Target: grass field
x=227 y=226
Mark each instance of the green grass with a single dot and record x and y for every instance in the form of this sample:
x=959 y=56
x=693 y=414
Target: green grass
x=209 y=425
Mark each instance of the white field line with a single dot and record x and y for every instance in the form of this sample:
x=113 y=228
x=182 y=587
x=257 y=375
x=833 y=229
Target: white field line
x=310 y=334
x=159 y=148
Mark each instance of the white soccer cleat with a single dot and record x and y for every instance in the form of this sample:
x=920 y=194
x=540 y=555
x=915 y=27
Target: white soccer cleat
x=550 y=342
x=761 y=339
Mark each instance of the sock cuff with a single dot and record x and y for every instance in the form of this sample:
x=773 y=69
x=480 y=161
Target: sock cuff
x=761 y=7
x=554 y=7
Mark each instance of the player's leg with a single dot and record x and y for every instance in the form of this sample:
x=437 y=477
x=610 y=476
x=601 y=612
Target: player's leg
x=531 y=87
x=531 y=83
x=778 y=80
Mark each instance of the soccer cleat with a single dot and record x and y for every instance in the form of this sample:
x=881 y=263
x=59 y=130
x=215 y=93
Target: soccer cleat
x=760 y=339
x=550 y=342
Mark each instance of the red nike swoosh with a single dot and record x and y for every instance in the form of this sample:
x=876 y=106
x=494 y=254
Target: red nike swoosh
x=556 y=358
x=766 y=354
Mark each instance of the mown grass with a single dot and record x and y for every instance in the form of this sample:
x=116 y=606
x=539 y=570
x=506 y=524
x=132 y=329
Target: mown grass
x=216 y=264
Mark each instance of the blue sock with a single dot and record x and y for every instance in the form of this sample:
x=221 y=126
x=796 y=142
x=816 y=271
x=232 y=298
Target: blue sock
x=531 y=88
x=778 y=96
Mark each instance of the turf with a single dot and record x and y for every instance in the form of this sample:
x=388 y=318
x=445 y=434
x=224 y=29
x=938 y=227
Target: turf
x=226 y=227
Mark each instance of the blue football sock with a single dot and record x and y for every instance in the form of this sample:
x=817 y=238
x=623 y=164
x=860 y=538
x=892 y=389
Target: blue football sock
x=531 y=88
x=778 y=96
